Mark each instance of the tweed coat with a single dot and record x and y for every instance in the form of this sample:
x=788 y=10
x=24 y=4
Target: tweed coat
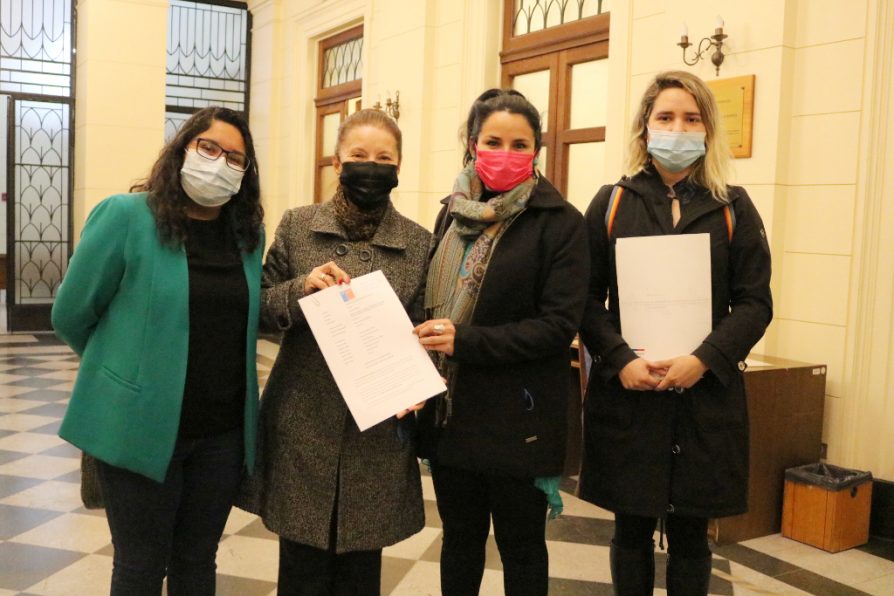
x=651 y=453
x=312 y=456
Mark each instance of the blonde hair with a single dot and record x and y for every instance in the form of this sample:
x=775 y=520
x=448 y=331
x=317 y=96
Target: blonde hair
x=370 y=117
x=710 y=171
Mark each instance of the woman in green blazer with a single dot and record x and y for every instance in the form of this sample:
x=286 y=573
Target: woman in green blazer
x=160 y=301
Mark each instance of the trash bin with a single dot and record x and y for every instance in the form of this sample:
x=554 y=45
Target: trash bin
x=827 y=506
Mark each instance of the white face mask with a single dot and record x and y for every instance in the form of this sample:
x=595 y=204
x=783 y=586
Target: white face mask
x=210 y=183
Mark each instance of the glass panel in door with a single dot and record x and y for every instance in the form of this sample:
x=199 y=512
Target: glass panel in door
x=40 y=200
x=535 y=86
x=586 y=172
x=589 y=94
x=330 y=125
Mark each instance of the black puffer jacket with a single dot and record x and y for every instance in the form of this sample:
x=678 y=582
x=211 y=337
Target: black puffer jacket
x=650 y=453
x=512 y=382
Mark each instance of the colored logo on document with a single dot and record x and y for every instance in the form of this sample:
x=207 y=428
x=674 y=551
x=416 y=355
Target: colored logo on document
x=347 y=295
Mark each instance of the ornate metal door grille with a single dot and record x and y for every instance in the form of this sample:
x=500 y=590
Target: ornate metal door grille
x=209 y=58
x=36 y=42
x=41 y=212
x=37 y=76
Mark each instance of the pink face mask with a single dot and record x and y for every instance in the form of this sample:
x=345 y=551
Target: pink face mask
x=503 y=170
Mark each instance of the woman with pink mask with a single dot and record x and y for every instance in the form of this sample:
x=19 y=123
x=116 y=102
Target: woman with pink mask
x=506 y=291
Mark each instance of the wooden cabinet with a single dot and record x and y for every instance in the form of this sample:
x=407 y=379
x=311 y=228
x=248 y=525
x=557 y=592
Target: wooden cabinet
x=785 y=406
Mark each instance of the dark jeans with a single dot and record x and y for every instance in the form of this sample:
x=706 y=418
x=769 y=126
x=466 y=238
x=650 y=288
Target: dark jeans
x=687 y=537
x=172 y=528
x=308 y=571
x=466 y=502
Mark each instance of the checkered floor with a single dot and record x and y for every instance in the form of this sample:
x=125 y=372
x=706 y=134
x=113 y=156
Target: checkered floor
x=51 y=545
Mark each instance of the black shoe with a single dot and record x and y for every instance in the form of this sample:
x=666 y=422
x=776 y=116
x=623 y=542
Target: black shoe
x=688 y=577
x=633 y=570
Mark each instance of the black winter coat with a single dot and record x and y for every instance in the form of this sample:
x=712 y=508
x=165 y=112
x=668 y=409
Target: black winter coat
x=650 y=453
x=516 y=345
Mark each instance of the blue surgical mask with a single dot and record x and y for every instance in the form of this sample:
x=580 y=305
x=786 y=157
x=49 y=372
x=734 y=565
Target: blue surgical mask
x=676 y=151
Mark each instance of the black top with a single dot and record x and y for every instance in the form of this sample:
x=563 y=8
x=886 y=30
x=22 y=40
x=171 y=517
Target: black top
x=214 y=395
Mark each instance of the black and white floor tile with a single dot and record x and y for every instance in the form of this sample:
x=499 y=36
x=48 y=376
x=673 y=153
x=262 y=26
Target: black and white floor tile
x=51 y=545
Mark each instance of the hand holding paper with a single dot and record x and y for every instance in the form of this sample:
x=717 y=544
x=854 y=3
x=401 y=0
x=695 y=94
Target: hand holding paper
x=437 y=335
x=325 y=276
x=367 y=340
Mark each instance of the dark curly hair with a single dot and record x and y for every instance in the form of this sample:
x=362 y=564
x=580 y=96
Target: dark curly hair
x=499 y=100
x=169 y=202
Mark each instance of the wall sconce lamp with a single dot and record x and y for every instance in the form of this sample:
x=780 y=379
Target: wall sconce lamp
x=392 y=108
x=715 y=41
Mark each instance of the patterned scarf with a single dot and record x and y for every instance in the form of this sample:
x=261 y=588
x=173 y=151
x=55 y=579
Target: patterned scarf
x=357 y=224
x=460 y=261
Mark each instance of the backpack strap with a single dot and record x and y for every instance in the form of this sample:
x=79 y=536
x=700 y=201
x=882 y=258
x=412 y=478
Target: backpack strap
x=612 y=210
x=730 y=217
x=614 y=201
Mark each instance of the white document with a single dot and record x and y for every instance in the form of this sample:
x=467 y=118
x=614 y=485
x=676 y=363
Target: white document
x=664 y=290
x=367 y=340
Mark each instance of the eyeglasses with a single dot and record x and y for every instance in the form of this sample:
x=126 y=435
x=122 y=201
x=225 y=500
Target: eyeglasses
x=211 y=150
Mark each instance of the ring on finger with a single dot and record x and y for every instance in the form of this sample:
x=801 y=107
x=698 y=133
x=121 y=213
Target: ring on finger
x=438 y=328
x=323 y=275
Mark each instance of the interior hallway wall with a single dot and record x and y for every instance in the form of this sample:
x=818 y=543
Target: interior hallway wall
x=120 y=98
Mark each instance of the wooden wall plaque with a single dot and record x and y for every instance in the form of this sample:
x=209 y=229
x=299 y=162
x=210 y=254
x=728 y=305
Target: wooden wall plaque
x=735 y=98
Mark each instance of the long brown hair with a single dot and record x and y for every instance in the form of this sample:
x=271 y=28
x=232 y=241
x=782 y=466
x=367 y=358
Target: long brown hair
x=169 y=202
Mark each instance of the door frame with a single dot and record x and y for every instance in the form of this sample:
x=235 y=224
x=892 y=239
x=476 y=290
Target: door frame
x=559 y=57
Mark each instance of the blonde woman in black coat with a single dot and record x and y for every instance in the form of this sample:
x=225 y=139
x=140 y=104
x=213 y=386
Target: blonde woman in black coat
x=652 y=453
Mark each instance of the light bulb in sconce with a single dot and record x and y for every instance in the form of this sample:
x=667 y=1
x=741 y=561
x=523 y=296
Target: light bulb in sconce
x=714 y=41
x=391 y=107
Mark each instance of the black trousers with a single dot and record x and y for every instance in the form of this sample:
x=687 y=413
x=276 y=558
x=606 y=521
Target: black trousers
x=687 y=537
x=467 y=501
x=172 y=528
x=308 y=571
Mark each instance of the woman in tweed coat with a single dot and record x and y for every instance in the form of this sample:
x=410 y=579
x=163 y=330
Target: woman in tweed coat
x=336 y=496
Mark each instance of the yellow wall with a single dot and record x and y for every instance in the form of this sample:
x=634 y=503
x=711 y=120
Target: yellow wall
x=120 y=97
x=821 y=173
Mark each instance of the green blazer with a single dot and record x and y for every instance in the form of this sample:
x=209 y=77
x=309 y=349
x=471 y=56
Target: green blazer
x=123 y=306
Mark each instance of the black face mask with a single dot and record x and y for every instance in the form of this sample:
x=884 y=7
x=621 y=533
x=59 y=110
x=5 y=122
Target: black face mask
x=367 y=184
